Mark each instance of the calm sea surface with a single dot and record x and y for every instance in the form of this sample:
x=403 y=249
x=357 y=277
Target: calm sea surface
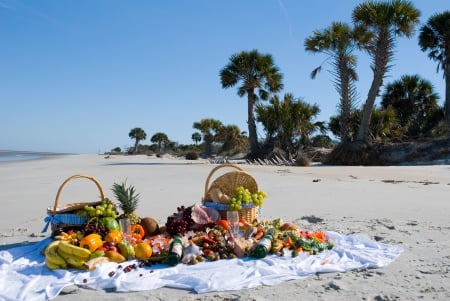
x=10 y=156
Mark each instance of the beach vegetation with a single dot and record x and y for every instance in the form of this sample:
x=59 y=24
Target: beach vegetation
x=231 y=138
x=258 y=77
x=289 y=122
x=208 y=127
x=415 y=104
x=434 y=38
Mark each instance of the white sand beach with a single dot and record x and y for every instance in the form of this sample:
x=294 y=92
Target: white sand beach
x=408 y=206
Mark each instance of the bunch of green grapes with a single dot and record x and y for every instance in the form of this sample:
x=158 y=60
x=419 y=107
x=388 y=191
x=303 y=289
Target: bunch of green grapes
x=243 y=196
x=104 y=209
x=258 y=198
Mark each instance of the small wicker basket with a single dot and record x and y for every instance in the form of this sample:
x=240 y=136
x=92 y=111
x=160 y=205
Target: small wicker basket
x=217 y=193
x=59 y=216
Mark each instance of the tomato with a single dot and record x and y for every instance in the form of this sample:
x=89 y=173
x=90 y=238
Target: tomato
x=224 y=224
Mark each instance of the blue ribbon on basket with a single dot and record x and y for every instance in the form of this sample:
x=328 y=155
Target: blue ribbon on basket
x=50 y=219
x=224 y=207
x=63 y=218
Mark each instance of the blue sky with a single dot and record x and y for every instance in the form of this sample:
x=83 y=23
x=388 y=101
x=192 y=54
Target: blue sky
x=77 y=76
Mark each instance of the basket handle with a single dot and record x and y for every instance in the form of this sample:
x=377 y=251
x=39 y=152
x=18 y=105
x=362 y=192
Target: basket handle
x=214 y=170
x=58 y=194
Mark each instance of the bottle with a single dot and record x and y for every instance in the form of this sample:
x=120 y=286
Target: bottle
x=175 y=251
x=262 y=249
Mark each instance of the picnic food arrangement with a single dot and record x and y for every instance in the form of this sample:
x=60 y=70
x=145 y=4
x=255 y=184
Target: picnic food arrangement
x=85 y=235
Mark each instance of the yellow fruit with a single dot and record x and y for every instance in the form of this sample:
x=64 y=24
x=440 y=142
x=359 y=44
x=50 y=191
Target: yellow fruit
x=52 y=256
x=143 y=251
x=76 y=262
x=51 y=265
x=69 y=249
x=115 y=256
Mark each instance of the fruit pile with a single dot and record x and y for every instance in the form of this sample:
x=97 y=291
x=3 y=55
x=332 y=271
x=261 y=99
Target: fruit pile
x=200 y=233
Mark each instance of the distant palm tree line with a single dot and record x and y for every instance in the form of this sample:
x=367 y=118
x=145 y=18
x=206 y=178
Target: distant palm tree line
x=408 y=108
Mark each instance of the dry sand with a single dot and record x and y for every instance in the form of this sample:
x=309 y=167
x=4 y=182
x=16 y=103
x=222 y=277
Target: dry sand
x=402 y=205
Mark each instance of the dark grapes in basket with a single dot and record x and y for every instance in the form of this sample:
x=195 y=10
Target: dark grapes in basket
x=93 y=226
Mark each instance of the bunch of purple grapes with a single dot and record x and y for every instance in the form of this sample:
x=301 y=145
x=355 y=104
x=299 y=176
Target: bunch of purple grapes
x=179 y=222
x=95 y=227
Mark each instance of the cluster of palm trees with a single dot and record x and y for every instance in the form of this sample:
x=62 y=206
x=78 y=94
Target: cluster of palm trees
x=138 y=134
x=408 y=108
x=376 y=27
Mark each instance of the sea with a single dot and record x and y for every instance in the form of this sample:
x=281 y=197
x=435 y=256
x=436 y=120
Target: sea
x=11 y=155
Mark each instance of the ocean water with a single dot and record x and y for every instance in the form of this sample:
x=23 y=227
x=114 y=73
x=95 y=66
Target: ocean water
x=11 y=156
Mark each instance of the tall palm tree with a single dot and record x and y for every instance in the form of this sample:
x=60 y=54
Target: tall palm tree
x=414 y=102
x=434 y=37
x=338 y=42
x=254 y=71
x=386 y=20
x=138 y=135
x=208 y=127
x=161 y=139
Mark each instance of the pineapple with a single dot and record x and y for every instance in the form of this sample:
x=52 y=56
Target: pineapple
x=128 y=199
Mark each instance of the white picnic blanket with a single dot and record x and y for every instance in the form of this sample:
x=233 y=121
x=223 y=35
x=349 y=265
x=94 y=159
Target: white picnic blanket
x=24 y=275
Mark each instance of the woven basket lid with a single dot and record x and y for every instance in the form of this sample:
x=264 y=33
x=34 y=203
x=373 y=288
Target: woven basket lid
x=228 y=182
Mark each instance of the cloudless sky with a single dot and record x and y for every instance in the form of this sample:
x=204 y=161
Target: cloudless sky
x=77 y=76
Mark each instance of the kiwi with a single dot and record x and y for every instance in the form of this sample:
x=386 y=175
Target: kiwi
x=150 y=226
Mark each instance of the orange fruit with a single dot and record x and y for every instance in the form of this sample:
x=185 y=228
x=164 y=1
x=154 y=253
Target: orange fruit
x=143 y=251
x=114 y=236
x=224 y=224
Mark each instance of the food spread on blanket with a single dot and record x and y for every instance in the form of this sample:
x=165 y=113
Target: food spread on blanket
x=192 y=234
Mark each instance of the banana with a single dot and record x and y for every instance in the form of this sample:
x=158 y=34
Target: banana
x=51 y=265
x=52 y=256
x=76 y=262
x=74 y=251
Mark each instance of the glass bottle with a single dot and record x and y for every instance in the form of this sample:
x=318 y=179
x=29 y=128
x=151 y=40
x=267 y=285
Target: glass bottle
x=175 y=251
x=262 y=249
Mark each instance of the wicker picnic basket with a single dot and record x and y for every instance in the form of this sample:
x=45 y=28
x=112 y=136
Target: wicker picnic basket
x=217 y=192
x=60 y=216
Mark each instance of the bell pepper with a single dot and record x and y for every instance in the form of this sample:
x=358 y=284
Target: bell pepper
x=92 y=242
x=137 y=231
x=114 y=236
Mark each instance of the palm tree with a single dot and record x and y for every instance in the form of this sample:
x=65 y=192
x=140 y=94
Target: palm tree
x=386 y=20
x=414 y=102
x=434 y=37
x=338 y=42
x=254 y=71
x=196 y=137
x=289 y=121
x=208 y=127
x=138 y=135
x=231 y=137
x=161 y=139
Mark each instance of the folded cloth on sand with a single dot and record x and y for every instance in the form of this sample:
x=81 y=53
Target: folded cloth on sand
x=25 y=276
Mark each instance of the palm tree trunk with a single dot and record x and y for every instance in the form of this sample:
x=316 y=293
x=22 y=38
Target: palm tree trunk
x=447 y=94
x=252 y=134
x=380 y=66
x=345 y=104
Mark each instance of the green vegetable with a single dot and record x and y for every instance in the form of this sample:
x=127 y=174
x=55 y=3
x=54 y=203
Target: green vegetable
x=110 y=223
